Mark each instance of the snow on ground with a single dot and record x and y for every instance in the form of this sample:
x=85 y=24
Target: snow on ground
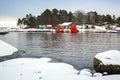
x=31 y=30
x=100 y=29
x=6 y=49
x=109 y=57
x=86 y=72
x=43 y=69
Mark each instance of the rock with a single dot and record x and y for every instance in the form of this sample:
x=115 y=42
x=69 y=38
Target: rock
x=105 y=73
x=108 y=61
x=86 y=72
x=16 y=54
x=97 y=74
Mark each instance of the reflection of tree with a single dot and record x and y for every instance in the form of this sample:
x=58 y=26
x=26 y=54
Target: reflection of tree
x=29 y=37
x=58 y=39
x=52 y=39
x=48 y=39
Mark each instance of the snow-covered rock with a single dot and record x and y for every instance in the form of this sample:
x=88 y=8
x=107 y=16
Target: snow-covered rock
x=108 y=61
x=43 y=69
x=117 y=28
x=100 y=29
x=36 y=69
x=6 y=49
x=113 y=26
x=97 y=74
x=86 y=72
x=112 y=31
x=111 y=57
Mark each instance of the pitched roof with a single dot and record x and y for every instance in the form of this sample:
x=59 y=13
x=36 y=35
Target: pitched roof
x=66 y=23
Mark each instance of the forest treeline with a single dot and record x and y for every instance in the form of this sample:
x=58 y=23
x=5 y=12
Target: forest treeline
x=55 y=17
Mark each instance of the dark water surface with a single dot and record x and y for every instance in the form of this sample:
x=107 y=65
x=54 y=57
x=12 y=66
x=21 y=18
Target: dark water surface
x=76 y=49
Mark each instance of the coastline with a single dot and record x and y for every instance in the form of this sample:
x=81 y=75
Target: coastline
x=44 y=69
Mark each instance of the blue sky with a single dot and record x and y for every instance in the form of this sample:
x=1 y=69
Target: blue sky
x=13 y=9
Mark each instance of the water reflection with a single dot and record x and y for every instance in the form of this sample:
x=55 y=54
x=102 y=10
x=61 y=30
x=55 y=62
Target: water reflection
x=73 y=37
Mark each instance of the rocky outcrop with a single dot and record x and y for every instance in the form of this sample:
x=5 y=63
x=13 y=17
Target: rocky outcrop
x=110 y=69
x=107 y=62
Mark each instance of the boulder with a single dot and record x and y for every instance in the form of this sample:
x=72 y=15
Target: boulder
x=86 y=72
x=97 y=74
x=108 y=61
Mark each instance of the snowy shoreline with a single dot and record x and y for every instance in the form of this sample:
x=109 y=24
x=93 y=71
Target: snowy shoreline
x=81 y=28
x=42 y=69
x=53 y=30
x=6 y=49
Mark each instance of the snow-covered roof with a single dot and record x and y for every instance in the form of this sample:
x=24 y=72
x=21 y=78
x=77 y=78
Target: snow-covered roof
x=66 y=23
x=111 y=57
x=49 y=25
x=6 y=49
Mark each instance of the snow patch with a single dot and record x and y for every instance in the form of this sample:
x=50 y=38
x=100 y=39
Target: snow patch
x=97 y=74
x=6 y=49
x=86 y=72
x=42 y=69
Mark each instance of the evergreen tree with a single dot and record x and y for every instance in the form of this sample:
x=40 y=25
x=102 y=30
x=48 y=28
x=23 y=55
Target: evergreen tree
x=118 y=20
x=19 y=22
x=46 y=17
x=55 y=12
x=70 y=17
x=114 y=19
x=109 y=18
x=55 y=17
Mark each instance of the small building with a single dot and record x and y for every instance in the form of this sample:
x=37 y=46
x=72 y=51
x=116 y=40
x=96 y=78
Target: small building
x=66 y=25
x=48 y=26
x=41 y=26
